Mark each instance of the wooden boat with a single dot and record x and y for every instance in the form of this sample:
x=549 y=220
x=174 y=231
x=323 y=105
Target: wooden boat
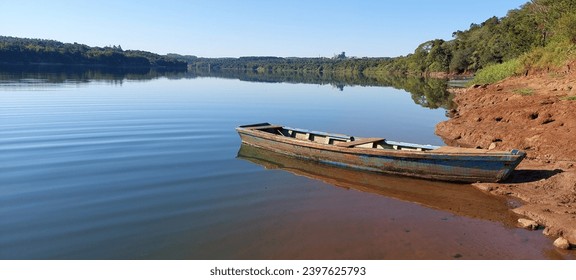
x=381 y=155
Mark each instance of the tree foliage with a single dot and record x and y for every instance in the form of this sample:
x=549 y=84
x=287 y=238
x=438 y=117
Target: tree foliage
x=37 y=51
x=528 y=33
x=543 y=28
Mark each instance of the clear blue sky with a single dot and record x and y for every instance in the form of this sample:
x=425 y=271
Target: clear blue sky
x=233 y=28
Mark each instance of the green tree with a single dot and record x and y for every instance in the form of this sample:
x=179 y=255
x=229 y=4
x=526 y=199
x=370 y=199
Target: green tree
x=566 y=27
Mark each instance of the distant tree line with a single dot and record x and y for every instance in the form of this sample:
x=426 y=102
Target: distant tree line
x=271 y=64
x=535 y=25
x=23 y=51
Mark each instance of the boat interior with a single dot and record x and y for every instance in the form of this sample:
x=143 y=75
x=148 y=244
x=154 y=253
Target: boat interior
x=340 y=140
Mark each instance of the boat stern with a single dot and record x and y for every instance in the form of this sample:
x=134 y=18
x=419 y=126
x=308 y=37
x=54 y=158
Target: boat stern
x=516 y=156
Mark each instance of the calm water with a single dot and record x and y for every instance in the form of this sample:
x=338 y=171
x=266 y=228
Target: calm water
x=153 y=169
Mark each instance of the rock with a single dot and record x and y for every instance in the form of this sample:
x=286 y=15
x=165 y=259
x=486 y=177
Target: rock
x=492 y=146
x=527 y=224
x=562 y=243
x=548 y=232
x=553 y=232
x=570 y=235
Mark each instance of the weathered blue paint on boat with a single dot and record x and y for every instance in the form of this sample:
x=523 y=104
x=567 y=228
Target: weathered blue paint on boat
x=379 y=155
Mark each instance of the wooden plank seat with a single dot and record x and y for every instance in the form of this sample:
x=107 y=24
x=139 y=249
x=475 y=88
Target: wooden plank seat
x=359 y=142
x=264 y=127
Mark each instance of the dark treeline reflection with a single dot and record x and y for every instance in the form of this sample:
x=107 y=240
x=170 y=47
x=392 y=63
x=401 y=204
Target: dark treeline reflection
x=429 y=93
x=53 y=74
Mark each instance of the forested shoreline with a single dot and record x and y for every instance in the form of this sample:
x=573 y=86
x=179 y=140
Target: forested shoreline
x=541 y=34
x=24 y=51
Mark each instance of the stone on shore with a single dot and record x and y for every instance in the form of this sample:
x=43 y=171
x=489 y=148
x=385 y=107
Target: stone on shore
x=527 y=224
x=570 y=235
x=562 y=243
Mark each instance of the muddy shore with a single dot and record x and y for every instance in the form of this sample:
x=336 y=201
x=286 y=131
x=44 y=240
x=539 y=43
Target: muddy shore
x=535 y=113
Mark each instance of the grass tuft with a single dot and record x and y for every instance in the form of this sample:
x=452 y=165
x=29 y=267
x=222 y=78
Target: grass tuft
x=524 y=91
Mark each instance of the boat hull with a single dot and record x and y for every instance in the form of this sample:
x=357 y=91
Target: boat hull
x=457 y=167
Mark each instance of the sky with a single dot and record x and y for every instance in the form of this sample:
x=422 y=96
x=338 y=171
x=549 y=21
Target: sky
x=235 y=28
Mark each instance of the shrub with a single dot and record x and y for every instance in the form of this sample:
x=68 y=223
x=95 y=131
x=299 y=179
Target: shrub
x=554 y=55
x=497 y=72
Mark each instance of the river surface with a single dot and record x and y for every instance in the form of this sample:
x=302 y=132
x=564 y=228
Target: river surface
x=153 y=169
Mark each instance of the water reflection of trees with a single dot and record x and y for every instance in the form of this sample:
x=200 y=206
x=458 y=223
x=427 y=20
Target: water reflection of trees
x=54 y=74
x=427 y=92
x=430 y=93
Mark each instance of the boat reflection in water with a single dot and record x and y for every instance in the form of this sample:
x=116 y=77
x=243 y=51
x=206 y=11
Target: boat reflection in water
x=459 y=199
